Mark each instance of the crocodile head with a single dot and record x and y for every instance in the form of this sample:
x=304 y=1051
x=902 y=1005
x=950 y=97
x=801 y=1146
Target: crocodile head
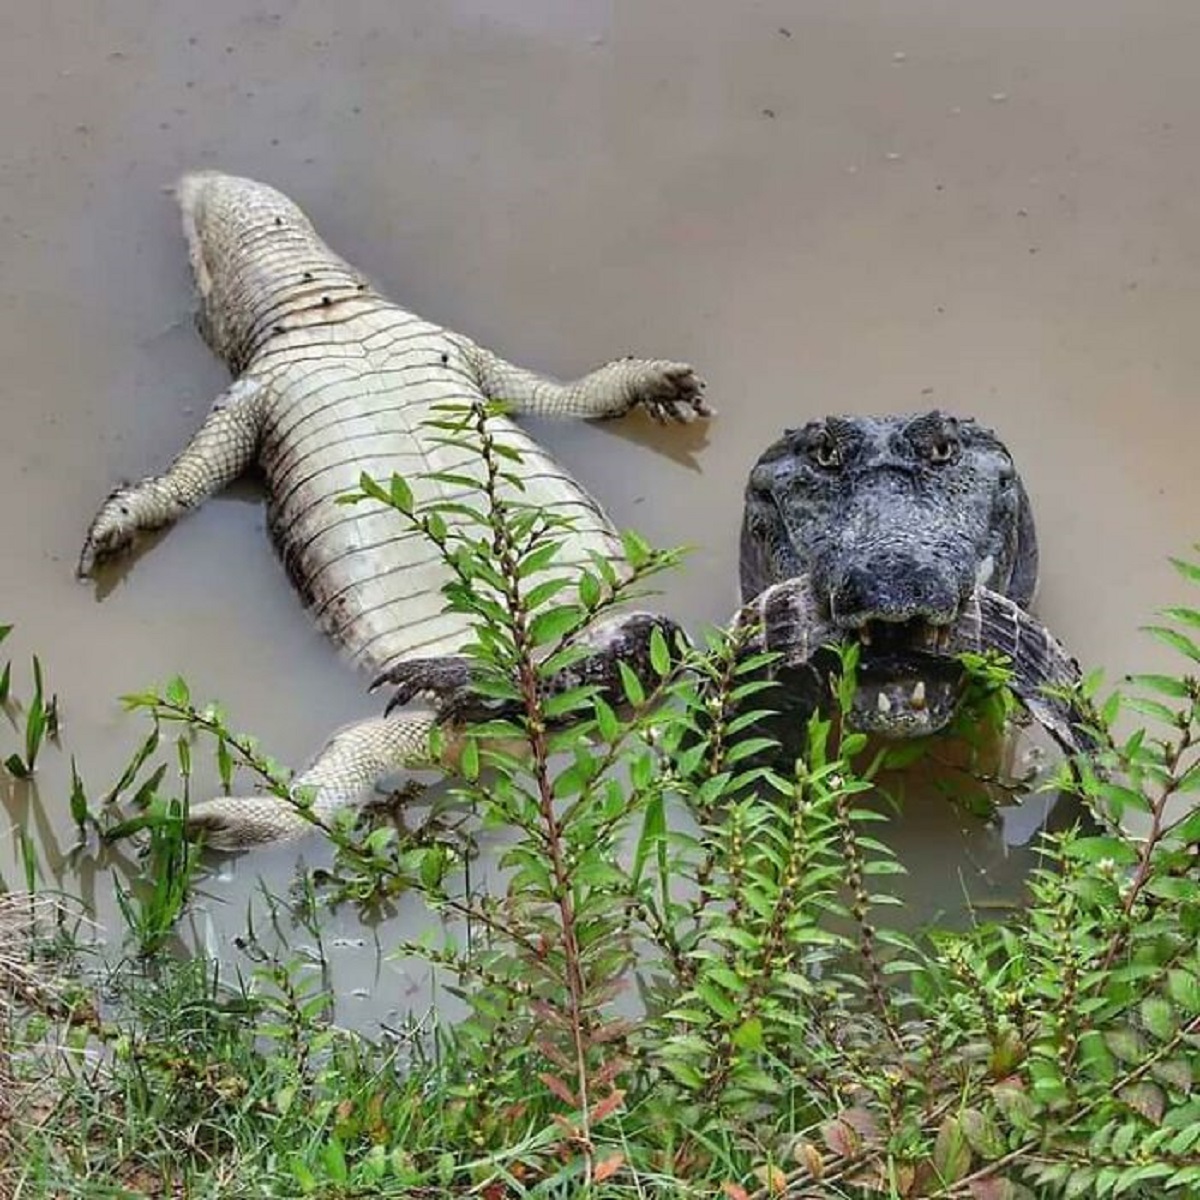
x=894 y=522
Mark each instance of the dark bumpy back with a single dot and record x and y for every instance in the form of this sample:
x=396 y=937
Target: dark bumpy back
x=891 y=518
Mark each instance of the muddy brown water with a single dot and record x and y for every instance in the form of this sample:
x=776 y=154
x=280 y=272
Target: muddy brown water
x=876 y=207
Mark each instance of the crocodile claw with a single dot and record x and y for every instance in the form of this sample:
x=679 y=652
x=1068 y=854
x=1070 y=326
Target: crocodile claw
x=112 y=530
x=447 y=681
x=671 y=391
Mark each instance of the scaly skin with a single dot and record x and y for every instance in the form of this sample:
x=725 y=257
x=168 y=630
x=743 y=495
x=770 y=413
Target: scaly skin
x=335 y=380
x=895 y=522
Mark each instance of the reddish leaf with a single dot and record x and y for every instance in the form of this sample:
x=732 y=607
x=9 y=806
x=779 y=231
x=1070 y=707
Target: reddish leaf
x=559 y=1088
x=1146 y=1098
x=862 y=1122
x=809 y=1157
x=735 y=1191
x=991 y=1188
x=567 y=1126
x=609 y=1071
x=905 y=1175
x=951 y=1153
x=872 y=1178
x=772 y=1178
x=1176 y=1073
x=546 y=1012
x=514 y=1113
x=841 y=1138
x=558 y=1057
x=610 y=1166
x=982 y=1134
x=611 y=1030
x=607 y=1106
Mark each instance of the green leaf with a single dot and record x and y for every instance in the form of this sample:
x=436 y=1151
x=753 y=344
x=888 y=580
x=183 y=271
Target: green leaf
x=1184 y=989
x=749 y=1035
x=685 y=1073
x=1126 y=1043
x=716 y=1000
x=631 y=685
x=1158 y=1017
x=541 y=594
x=607 y=724
x=539 y=558
x=637 y=549
x=589 y=590
x=400 y=494
x=555 y=624
x=1165 y=685
x=176 y=692
x=653 y=833
x=335 y=1160
x=1097 y=849
x=35 y=728
x=1152 y=709
x=80 y=813
x=1190 y=571
x=660 y=655
x=16 y=767
x=469 y=760
x=1176 y=640
x=1185 y=616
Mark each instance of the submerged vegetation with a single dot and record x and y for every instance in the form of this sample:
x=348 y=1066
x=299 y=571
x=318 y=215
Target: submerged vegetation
x=689 y=982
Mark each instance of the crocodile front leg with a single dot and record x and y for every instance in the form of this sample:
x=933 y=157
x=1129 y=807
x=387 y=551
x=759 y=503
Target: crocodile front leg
x=668 y=391
x=222 y=448
x=343 y=775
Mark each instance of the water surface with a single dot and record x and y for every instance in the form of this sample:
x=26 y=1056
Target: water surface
x=827 y=208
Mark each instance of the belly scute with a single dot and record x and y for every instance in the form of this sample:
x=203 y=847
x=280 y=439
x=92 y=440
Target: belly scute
x=371 y=580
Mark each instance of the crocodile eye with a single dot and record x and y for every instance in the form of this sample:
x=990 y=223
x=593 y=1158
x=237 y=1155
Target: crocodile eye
x=943 y=451
x=826 y=454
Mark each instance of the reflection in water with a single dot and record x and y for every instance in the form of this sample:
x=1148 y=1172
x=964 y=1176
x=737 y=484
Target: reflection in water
x=821 y=206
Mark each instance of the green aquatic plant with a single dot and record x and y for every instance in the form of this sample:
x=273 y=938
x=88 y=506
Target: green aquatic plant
x=687 y=975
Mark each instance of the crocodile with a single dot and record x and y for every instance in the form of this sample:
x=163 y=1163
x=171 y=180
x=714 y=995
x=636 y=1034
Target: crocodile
x=332 y=380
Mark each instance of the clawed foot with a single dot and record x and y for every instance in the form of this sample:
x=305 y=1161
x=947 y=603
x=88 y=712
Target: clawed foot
x=449 y=682
x=668 y=391
x=112 y=530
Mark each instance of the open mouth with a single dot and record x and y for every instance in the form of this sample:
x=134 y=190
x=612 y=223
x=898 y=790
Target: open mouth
x=912 y=664
x=908 y=685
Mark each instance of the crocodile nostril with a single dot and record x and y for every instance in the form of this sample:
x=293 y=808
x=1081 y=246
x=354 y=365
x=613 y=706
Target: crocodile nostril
x=891 y=590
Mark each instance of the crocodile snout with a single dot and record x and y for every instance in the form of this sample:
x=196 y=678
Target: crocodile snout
x=893 y=589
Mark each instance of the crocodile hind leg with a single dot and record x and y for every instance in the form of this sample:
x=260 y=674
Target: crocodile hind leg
x=221 y=449
x=668 y=391
x=358 y=756
x=344 y=775
x=449 y=682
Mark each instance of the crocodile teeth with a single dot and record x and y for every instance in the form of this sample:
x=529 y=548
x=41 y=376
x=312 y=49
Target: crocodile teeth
x=883 y=704
x=918 y=694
